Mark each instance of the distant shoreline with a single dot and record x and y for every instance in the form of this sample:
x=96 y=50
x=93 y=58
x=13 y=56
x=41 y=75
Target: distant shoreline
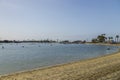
x=106 y=44
x=111 y=44
x=71 y=70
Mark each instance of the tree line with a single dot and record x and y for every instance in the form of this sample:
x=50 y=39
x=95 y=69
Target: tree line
x=103 y=39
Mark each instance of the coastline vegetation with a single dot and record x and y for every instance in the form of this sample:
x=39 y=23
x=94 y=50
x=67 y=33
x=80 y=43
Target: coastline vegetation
x=102 y=38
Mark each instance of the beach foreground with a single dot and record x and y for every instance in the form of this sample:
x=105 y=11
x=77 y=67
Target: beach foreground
x=101 y=68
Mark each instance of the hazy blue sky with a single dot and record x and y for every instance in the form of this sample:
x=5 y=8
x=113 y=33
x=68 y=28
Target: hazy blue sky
x=58 y=19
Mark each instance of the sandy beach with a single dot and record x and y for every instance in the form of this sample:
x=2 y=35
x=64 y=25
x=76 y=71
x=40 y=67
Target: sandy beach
x=100 y=68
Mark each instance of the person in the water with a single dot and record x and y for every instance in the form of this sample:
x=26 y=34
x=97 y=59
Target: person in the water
x=2 y=47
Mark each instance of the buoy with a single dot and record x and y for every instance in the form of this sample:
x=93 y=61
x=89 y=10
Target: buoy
x=108 y=48
x=2 y=47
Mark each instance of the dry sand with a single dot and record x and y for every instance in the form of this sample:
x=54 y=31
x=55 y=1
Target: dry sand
x=101 y=68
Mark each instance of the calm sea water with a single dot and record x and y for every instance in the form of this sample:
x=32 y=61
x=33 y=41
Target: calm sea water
x=15 y=57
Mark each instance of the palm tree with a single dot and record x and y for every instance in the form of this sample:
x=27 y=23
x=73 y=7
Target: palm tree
x=117 y=37
x=109 y=39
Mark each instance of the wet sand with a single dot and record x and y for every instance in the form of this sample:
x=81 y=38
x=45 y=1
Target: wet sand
x=100 y=68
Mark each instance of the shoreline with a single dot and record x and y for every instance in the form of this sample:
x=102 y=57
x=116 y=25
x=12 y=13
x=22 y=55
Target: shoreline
x=105 y=44
x=23 y=75
x=58 y=65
